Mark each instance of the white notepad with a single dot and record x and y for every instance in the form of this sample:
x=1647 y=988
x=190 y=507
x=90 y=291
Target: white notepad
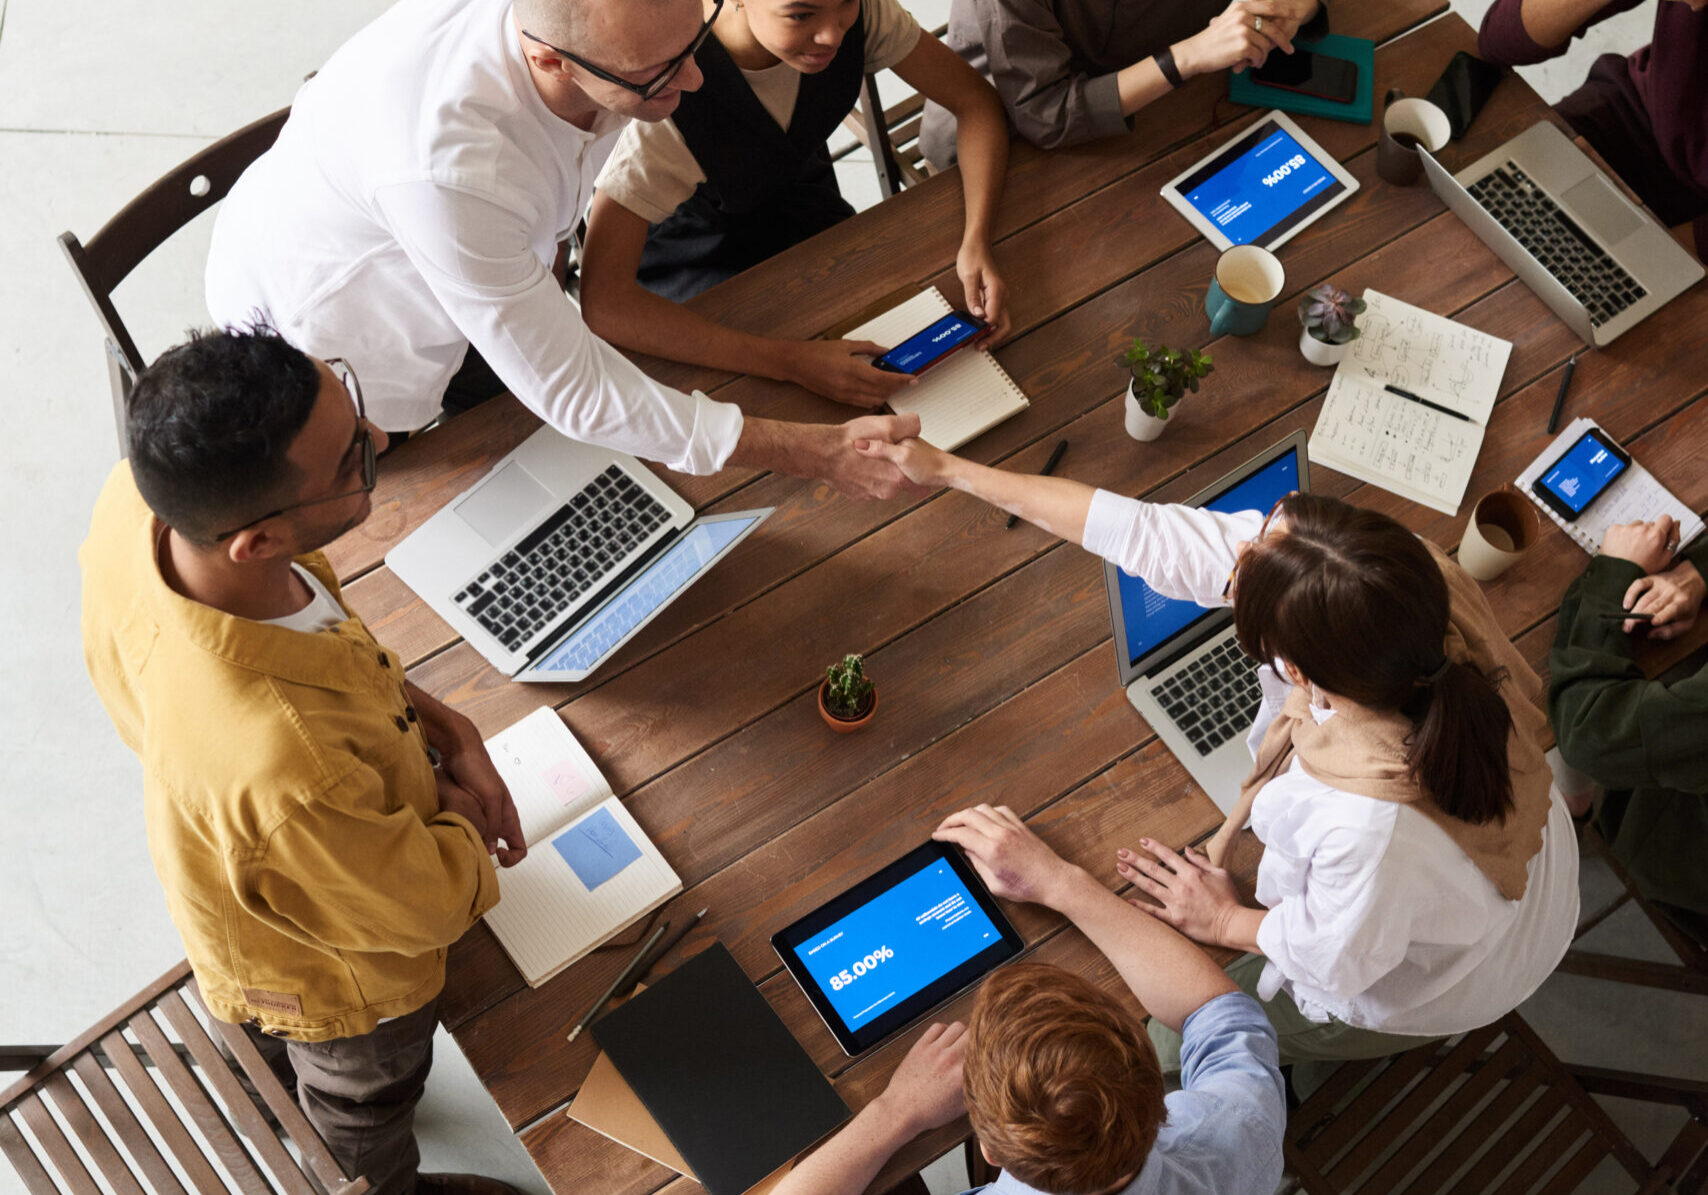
x=964 y=397
x=1379 y=437
x=1634 y=496
x=591 y=871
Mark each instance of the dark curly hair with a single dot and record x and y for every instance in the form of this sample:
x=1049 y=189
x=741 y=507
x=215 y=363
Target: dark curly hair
x=209 y=425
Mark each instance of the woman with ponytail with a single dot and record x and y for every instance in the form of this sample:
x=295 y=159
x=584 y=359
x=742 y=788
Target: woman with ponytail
x=1419 y=876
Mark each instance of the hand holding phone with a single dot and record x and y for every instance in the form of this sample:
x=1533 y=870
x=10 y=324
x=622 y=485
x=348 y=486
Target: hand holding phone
x=934 y=344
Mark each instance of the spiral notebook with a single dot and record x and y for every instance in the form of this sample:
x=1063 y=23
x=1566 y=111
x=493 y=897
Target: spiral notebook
x=964 y=397
x=1367 y=432
x=1634 y=496
x=591 y=871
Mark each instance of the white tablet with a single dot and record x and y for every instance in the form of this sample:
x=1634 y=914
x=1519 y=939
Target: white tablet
x=1261 y=188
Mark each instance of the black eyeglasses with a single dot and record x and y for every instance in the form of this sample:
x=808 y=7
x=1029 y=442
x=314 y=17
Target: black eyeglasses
x=364 y=439
x=653 y=85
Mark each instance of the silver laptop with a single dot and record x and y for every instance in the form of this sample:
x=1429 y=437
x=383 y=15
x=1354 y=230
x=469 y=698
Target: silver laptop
x=1597 y=259
x=1181 y=665
x=560 y=554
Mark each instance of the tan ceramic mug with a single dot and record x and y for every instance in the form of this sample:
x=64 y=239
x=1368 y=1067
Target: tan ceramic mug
x=1503 y=527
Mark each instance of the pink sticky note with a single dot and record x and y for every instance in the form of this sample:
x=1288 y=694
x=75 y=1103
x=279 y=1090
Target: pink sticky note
x=566 y=781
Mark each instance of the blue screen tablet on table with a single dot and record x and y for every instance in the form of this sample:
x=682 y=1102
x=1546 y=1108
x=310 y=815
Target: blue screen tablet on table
x=895 y=946
x=1262 y=188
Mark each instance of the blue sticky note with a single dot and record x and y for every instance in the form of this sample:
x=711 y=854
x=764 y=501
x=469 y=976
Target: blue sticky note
x=596 y=848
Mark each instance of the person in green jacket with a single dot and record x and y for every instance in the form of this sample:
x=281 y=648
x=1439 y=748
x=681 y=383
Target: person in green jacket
x=1640 y=739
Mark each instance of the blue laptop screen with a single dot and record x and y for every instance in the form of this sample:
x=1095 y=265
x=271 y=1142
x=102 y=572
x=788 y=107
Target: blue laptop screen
x=685 y=559
x=897 y=943
x=1151 y=619
x=1264 y=183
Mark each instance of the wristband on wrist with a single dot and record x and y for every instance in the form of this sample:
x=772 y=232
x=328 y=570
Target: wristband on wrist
x=1165 y=63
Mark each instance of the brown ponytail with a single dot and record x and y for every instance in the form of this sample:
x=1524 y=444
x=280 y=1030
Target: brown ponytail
x=1354 y=602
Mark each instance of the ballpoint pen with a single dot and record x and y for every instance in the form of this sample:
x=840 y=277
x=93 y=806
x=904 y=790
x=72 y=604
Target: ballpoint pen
x=1560 y=398
x=1434 y=406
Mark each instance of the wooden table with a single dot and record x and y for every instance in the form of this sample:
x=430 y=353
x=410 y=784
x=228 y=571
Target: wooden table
x=991 y=648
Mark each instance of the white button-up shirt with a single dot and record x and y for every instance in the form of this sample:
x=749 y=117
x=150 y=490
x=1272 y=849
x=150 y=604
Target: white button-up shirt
x=412 y=206
x=1376 y=917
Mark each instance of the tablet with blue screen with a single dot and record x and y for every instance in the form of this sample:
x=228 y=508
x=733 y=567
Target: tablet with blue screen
x=1262 y=188
x=897 y=945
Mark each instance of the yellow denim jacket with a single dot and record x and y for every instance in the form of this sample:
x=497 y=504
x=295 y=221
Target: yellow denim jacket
x=290 y=802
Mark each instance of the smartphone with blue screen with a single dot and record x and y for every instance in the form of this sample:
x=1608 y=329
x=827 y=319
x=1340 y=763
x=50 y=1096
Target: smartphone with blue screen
x=1583 y=473
x=929 y=347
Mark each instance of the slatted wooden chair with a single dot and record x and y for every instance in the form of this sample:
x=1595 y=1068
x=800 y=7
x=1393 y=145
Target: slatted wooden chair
x=1491 y=1111
x=891 y=134
x=146 y=223
x=147 y=1099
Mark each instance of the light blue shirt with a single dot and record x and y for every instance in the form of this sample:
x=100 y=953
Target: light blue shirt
x=1224 y=1127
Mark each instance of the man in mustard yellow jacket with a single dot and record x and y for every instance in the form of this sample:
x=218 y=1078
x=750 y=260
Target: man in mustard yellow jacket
x=321 y=827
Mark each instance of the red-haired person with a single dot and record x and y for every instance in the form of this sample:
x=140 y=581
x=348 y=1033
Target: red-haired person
x=1057 y=1076
x=1419 y=876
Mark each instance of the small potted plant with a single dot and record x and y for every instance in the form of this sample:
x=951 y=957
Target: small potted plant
x=1160 y=378
x=1329 y=315
x=846 y=698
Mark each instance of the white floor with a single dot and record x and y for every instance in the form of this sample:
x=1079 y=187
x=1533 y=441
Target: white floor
x=98 y=98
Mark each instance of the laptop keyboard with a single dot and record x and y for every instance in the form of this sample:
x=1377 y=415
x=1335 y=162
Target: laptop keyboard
x=1555 y=239
x=1215 y=697
x=531 y=586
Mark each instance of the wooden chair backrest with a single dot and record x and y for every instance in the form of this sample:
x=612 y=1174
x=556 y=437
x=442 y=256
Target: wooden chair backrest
x=891 y=134
x=1493 y=1110
x=146 y=223
x=147 y=1099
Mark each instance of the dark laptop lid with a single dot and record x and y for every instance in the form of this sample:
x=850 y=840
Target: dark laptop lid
x=1150 y=628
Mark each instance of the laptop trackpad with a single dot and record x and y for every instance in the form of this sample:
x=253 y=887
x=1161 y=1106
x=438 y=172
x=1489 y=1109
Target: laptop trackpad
x=504 y=505
x=1602 y=210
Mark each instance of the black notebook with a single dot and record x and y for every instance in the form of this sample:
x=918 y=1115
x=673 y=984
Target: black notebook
x=720 y=1073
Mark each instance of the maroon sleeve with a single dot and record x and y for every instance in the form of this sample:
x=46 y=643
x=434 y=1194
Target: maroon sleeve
x=1504 y=40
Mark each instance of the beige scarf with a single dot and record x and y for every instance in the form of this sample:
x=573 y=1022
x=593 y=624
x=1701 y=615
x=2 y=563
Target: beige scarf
x=1364 y=751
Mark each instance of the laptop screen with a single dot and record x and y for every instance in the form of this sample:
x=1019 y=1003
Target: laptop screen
x=698 y=549
x=1151 y=619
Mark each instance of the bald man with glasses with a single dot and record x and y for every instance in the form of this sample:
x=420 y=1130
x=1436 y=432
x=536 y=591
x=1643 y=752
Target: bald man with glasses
x=410 y=216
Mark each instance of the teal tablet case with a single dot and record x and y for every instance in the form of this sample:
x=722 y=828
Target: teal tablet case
x=1242 y=89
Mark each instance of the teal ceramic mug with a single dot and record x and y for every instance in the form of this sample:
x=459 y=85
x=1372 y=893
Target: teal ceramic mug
x=1248 y=281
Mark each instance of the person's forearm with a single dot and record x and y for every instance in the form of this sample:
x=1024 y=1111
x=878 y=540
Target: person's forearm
x=1055 y=504
x=1239 y=930
x=1550 y=22
x=1169 y=974
x=447 y=731
x=1143 y=83
x=982 y=136
x=847 y=1163
x=632 y=317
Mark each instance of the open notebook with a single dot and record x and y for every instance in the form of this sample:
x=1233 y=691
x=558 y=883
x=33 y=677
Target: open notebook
x=591 y=872
x=1379 y=437
x=1634 y=496
x=964 y=397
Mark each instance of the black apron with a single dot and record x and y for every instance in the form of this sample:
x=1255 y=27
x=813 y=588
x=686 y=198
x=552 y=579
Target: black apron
x=765 y=189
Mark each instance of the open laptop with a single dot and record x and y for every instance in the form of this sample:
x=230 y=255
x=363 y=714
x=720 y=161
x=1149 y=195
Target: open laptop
x=560 y=554
x=1181 y=665
x=1597 y=259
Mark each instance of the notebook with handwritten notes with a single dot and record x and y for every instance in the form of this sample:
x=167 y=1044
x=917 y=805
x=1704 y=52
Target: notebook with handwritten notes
x=964 y=397
x=591 y=871
x=1403 y=445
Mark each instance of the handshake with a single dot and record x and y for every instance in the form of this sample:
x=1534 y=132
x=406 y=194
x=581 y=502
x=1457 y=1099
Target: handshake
x=874 y=456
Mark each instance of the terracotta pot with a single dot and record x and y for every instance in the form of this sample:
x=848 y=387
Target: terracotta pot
x=844 y=725
x=1320 y=352
x=1141 y=425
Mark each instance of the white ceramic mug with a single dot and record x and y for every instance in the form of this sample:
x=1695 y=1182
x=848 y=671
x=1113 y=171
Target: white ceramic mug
x=1503 y=527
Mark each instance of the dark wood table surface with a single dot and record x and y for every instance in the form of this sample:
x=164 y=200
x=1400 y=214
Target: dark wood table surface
x=990 y=648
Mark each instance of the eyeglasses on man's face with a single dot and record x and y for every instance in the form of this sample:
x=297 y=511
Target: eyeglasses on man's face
x=653 y=85
x=362 y=442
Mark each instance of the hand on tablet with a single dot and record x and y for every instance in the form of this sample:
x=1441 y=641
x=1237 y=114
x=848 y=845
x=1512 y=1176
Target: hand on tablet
x=925 y=1090
x=1013 y=862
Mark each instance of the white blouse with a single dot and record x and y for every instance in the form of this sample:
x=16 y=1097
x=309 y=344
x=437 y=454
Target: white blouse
x=1376 y=917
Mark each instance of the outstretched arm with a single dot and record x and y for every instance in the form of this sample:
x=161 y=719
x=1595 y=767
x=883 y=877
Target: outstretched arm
x=1171 y=977
x=619 y=309
x=1055 y=504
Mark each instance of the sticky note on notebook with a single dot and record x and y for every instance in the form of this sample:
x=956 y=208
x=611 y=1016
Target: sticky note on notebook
x=596 y=848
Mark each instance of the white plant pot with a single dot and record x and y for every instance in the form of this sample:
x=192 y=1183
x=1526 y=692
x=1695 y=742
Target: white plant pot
x=1142 y=425
x=1319 y=352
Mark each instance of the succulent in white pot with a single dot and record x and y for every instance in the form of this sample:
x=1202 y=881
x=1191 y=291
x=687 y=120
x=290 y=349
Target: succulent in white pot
x=1329 y=316
x=1159 y=378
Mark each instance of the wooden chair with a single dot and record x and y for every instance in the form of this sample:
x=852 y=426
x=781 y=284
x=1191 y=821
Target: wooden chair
x=147 y=1097
x=146 y=223
x=1493 y=1110
x=891 y=134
